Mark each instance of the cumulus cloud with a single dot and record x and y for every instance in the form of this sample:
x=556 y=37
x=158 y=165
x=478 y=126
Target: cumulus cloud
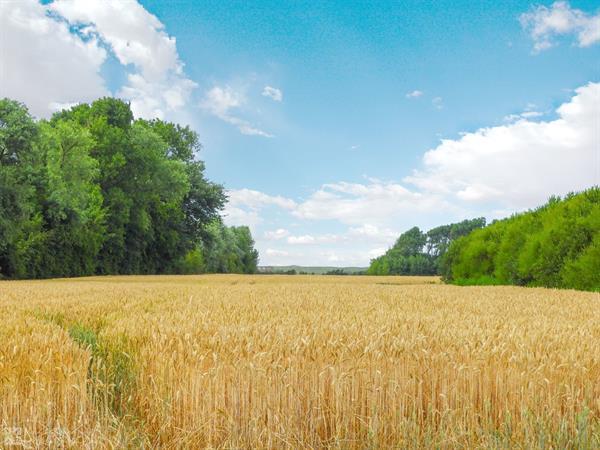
x=42 y=63
x=150 y=99
x=414 y=94
x=521 y=164
x=544 y=23
x=221 y=101
x=375 y=202
x=273 y=93
x=138 y=40
x=51 y=55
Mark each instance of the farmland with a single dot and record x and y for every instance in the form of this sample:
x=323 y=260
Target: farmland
x=232 y=361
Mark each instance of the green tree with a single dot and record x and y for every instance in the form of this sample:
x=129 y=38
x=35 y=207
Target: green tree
x=20 y=180
x=418 y=253
x=73 y=212
x=555 y=245
x=94 y=191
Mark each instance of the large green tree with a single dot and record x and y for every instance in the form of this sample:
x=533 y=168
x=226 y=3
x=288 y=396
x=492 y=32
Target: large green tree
x=72 y=206
x=94 y=191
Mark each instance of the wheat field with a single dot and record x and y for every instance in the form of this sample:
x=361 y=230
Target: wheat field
x=293 y=362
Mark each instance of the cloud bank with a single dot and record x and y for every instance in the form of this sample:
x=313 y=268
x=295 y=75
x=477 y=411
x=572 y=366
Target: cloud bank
x=519 y=165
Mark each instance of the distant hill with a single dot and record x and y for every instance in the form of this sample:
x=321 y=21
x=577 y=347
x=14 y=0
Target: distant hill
x=316 y=270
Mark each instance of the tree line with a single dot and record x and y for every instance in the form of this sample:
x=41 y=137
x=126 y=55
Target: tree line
x=421 y=253
x=93 y=191
x=556 y=245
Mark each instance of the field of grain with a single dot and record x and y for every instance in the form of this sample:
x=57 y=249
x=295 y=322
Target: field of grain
x=296 y=362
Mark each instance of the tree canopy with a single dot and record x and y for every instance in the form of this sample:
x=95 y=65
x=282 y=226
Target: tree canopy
x=93 y=191
x=556 y=245
x=419 y=253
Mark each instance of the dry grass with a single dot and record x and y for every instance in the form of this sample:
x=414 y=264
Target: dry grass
x=296 y=362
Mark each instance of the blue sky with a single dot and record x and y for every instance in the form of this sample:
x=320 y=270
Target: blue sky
x=337 y=125
x=345 y=69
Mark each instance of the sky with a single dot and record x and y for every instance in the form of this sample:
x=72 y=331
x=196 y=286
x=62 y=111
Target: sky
x=335 y=126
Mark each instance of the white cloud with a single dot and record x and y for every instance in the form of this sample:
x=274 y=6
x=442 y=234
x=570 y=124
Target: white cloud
x=438 y=102
x=414 y=94
x=273 y=93
x=150 y=100
x=368 y=207
x=56 y=106
x=519 y=165
x=531 y=114
x=220 y=101
x=276 y=235
x=255 y=199
x=274 y=252
x=319 y=239
x=51 y=55
x=332 y=257
x=137 y=38
x=376 y=202
x=240 y=216
x=545 y=23
x=42 y=63
x=374 y=253
x=244 y=206
x=373 y=233
x=306 y=239
x=523 y=115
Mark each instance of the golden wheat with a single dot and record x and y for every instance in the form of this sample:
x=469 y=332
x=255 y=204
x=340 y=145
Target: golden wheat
x=296 y=362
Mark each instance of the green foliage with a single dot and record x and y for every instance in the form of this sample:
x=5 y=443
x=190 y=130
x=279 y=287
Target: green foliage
x=230 y=249
x=93 y=191
x=20 y=181
x=418 y=253
x=556 y=245
x=193 y=263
